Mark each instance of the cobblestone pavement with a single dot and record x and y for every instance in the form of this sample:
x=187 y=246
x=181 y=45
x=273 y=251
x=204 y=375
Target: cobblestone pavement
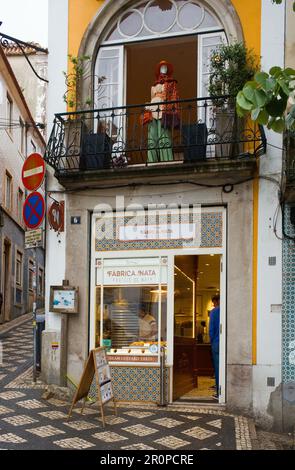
x=27 y=421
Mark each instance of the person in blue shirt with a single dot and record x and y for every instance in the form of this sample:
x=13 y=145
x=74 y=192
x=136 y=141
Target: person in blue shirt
x=214 y=338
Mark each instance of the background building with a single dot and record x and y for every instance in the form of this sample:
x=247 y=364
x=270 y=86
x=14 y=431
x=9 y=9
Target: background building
x=19 y=138
x=34 y=89
x=236 y=186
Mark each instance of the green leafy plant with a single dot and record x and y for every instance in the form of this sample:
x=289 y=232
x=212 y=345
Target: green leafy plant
x=269 y=99
x=231 y=65
x=79 y=70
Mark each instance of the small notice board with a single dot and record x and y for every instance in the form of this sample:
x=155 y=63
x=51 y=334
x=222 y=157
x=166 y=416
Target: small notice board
x=97 y=364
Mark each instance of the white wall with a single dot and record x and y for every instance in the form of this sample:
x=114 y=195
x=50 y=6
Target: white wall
x=269 y=324
x=57 y=59
x=57 y=63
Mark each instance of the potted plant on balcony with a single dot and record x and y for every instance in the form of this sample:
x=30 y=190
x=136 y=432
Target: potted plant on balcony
x=231 y=66
x=86 y=148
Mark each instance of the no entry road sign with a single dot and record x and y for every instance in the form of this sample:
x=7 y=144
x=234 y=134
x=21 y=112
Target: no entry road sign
x=33 y=172
x=34 y=210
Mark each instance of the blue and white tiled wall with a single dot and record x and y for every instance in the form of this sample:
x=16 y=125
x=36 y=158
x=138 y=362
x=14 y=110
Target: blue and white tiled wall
x=288 y=333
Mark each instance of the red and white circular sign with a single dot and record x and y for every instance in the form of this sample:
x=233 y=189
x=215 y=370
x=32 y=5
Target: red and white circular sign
x=33 y=172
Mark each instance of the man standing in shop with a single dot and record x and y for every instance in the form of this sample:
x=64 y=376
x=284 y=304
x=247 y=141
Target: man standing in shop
x=147 y=325
x=214 y=338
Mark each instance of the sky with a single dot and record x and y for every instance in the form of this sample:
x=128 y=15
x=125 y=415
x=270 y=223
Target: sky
x=25 y=19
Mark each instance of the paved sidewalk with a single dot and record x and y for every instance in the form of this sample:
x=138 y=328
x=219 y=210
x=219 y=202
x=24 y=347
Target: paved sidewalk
x=27 y=421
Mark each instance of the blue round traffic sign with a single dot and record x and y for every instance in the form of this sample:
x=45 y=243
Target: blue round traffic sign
x=34 y=210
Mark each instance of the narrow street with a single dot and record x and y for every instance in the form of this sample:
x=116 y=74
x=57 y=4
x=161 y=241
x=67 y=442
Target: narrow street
x=29 y=422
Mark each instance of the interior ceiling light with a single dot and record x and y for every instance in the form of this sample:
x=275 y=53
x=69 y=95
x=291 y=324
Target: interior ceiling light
x=165 y=5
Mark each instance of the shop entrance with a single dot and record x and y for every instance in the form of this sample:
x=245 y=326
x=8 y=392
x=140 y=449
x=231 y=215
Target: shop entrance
x=196 y=281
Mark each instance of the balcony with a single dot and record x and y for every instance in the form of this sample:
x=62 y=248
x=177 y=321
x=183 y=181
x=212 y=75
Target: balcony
x=169 y=140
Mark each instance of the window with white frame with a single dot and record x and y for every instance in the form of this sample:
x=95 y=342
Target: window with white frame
x=22 y=136
x=41 y=282
x=20 y=199
x=8 y=191
x=31 y=275
x=9 y=112
x=19 y=269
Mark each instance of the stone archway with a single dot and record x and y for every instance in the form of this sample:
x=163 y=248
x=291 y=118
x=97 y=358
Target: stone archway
x=111 y=9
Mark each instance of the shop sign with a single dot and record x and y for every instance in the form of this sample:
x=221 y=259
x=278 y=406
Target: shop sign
x=128 y=358
x=131 y=275
x=56 y=216
x=179 y=231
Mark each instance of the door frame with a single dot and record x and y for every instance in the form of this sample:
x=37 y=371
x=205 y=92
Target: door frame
x=6 y=278
x=170 y=254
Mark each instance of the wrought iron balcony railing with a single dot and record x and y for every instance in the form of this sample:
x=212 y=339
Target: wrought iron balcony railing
x=175 y=132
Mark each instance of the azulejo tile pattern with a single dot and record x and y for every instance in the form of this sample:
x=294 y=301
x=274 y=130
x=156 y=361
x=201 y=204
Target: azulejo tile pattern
x=29 y=422
x=288 y=311
x=138 y=383
x=210 y=236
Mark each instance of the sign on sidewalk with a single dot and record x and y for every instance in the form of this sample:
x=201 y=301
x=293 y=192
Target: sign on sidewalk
x=96 y=365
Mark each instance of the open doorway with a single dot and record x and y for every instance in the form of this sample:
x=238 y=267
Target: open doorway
x=196 y=281
x=143 y=57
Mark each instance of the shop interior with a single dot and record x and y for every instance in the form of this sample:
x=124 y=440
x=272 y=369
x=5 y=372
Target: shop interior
x=196 y=281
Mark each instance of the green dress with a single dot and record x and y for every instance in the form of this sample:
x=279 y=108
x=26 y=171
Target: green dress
x=159 y=143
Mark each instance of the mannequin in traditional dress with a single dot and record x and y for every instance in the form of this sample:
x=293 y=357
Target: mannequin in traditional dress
x=162 y=118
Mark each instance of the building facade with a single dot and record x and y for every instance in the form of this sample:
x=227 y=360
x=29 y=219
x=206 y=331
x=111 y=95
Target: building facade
x=19 y=138
x=29 y=81
x=162 y=213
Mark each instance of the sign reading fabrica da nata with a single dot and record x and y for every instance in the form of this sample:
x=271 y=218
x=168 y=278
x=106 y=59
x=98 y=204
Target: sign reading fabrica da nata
x=131 y=275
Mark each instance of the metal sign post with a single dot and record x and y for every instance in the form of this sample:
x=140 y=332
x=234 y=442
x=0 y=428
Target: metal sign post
x=35 y=316
x=33 y=173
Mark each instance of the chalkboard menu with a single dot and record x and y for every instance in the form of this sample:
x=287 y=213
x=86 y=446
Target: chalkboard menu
x=97 y=364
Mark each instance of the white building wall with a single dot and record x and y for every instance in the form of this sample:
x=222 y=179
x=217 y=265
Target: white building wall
x=57 y=59
x=57 y=63
x=269 y=299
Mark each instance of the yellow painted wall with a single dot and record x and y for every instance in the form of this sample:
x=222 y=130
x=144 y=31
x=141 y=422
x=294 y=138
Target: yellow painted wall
x=81 y=13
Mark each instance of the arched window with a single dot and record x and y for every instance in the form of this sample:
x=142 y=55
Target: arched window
x=161 y=18
x=183 y=32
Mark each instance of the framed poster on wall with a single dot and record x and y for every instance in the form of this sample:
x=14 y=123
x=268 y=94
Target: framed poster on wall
x=64 y=299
